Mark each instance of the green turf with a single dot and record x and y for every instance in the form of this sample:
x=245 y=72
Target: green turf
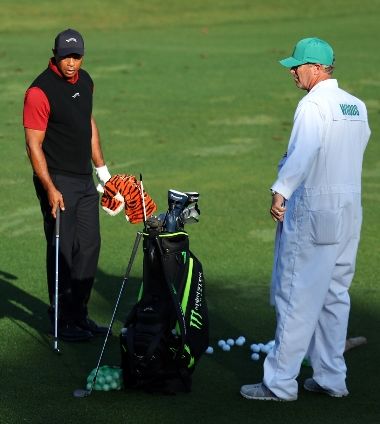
x=191 y=95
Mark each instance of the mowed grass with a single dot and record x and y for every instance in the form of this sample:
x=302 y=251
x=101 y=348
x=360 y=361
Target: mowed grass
x=190 y=95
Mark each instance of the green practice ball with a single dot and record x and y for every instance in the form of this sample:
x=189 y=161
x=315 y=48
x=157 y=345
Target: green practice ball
x=114 y=385
x=106 y=387
x=108 y=378
x=100 y=380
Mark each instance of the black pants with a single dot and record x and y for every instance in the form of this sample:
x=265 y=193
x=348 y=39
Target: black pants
x=79 y=244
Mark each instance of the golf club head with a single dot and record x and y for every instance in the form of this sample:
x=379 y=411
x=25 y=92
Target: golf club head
x=193 y=197
x=155 y=223
x=176 y=203
x=177 y=199
x=81 y=393
x=190 y=215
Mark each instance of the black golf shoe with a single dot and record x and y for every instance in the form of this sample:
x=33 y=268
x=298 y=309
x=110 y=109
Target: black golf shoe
x=88 y=324
x=69 y=332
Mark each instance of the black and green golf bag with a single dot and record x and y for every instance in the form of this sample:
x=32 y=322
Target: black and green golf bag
x=167 y=330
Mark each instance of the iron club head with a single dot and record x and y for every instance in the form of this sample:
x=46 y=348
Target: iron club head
x=81 y=393
x=57 y=351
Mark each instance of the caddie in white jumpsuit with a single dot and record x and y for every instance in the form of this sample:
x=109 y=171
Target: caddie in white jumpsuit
x=317 y=203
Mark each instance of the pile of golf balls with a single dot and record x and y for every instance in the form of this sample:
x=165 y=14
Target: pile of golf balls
x=226 y=345
x=108 y=378
x=256 y=348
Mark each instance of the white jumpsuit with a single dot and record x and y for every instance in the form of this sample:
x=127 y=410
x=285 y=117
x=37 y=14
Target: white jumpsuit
x=316 y=244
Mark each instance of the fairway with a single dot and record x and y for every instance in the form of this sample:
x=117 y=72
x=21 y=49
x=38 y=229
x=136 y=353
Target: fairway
x=190 y=95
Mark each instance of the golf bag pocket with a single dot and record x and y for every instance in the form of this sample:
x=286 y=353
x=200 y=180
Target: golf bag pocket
x=148 y=353
x=326 y=226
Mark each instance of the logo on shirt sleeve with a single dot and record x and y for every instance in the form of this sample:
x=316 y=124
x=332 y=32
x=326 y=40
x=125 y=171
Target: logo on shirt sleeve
x=75 y=95
x=71 y=39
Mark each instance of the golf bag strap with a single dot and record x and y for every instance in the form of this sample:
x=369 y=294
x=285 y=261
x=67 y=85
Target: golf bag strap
x=177 y=305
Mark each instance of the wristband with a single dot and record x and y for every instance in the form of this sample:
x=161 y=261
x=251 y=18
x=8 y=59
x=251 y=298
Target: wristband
x=103 y=174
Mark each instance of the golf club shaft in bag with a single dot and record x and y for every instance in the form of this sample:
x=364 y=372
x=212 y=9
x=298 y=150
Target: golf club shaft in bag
x=142 y=198
x=56 y=294
x=83 y=393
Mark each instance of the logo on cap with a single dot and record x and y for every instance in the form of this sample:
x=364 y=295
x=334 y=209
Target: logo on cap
x=68 y=42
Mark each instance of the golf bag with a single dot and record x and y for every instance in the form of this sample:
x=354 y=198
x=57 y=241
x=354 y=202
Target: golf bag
x=166 y=332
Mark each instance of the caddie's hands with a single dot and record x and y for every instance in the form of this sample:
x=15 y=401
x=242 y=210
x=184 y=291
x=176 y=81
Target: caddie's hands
x=278 y=209
x=55 y=201
x=103 y=176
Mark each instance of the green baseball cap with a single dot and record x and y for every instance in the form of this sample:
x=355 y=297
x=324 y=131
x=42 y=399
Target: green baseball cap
x=310 y=50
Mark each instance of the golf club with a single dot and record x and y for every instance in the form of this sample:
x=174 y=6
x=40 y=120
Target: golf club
x=176 y=203
x=80 y=393
x=57 y=222
x=142 y=196
x=355 y=342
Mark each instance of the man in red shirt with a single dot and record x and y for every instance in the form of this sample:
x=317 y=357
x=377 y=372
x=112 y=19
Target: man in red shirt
x=62 y=140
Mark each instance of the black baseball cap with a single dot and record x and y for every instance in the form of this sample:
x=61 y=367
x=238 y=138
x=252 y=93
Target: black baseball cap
x=68 y=42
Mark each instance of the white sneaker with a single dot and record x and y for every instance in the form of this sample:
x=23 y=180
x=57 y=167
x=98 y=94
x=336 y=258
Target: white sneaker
x=312 y=386
x=259 y=392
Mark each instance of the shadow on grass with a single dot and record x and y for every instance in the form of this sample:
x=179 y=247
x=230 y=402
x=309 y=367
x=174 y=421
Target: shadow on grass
x=234 y=308
x=108 y=286
x=29 y=313
x=21 y=307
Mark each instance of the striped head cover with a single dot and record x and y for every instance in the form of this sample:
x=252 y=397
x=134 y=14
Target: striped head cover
x=123 y=191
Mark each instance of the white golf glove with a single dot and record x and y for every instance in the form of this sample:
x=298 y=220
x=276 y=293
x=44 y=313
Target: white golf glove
x=103 y=176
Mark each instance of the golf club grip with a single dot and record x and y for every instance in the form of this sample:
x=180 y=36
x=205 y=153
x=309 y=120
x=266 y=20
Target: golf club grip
x=57 y=221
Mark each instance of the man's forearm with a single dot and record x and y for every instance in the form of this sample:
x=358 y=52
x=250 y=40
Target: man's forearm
x=96 y=150
x=39 y=165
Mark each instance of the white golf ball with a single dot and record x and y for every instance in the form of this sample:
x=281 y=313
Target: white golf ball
x=226 y=347
x=255 y=356
x=239 y=341
x=261 y=345
x=210 y=350
x=255 y=348
x=221 y=343
x=271 y=343
x=266 y=349
x=230 y=342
